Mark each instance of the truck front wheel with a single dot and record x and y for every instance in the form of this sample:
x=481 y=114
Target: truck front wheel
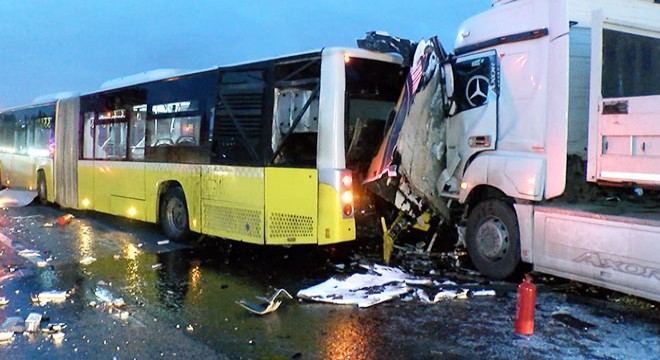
x=493 y=239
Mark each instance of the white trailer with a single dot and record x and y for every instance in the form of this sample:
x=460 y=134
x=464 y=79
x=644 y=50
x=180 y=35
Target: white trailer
x=549 y=143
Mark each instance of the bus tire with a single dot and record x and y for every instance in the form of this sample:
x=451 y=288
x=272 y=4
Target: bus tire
x=174 y=214
x=493 y=239
x=42 y=190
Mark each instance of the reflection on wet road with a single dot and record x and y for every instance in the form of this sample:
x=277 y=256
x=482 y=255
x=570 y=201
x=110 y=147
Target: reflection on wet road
x=182 y=303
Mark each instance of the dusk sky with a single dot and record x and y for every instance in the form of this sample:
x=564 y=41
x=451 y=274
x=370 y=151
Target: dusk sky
x=75 y=45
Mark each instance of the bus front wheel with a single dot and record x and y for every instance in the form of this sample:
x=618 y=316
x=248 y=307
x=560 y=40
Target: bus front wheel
x=174 y=215
x=493 y=239
x=42 y=190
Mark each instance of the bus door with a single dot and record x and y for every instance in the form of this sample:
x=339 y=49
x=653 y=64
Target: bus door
x=118 y=184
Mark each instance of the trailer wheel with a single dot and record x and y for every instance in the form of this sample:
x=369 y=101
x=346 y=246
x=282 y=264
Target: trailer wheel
x=42 y=190
x=493 y=239
x=174 y=215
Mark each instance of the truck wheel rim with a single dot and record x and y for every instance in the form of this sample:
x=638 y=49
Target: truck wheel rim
x=493 y=239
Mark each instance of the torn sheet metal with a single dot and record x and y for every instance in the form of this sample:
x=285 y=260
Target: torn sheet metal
x=269 y=304
x=381 y=284
x=16 y=198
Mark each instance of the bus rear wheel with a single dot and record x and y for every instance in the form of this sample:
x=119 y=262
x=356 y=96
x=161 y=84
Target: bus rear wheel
x=493 y=239
x=174 y=215
x=42 y=190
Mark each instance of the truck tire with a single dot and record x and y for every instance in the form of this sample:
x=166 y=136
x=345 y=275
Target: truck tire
x=42 y=190
x=493 y=239
x=174 y=214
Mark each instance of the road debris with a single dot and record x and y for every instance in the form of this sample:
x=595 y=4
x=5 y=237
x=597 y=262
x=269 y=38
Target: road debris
x=13 y=324
x=3 y=301
x=163 y=242
x=6 y=335
x=87 y=260
x=270 y=303
x=57 y=337
x=382 y=283
x=106 y=297
x=32 y=322
x=44 y=297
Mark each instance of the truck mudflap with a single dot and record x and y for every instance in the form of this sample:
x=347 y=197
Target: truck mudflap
x=619 y=253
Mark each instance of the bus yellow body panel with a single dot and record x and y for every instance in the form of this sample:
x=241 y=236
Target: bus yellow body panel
x=291 y=213
x=332 y=227
x=233 y=202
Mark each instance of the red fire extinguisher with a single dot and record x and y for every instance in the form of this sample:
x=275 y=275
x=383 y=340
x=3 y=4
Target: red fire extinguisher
x=524 y=323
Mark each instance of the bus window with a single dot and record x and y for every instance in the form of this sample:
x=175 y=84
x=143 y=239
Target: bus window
x=20 y=135
x=372 y=90
x=42 y=132
x=295 y=117
x=239 y=118
x=138 y=131
x=175 y=124
x=88 y=135
x=111 y=134
x=302 y=107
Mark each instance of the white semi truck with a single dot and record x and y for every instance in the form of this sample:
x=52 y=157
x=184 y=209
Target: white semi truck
x=540 y=137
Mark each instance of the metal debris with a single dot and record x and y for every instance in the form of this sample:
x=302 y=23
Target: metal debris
x=270 y=304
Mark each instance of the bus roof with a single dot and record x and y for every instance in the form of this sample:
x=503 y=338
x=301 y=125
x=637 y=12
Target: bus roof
x=162 y=74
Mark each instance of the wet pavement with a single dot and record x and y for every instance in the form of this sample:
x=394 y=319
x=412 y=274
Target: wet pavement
x=180 y=302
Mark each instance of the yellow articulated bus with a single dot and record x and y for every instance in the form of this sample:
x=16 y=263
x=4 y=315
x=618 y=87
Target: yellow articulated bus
x=261 y=152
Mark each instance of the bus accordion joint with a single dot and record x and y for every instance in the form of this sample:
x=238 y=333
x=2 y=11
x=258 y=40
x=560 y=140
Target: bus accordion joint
x=346 y=193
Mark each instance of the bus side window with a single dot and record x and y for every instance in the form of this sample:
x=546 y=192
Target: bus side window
x=138 y=131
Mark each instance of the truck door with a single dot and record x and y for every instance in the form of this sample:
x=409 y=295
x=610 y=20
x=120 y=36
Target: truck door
x=624 y=132
x=472 y=127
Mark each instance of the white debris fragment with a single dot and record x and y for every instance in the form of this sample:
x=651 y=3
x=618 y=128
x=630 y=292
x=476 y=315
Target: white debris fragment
x=163 y=242
x=3 y=301
x=156 y=266
x=105 y=296
x=87 y=260
x=58 y=336
x=32 y=322
x=381 y=284
x=6 y=335
x=484 y=293
x=45 y=297
x=28 y=253
x=451 y=294
x=422 y=296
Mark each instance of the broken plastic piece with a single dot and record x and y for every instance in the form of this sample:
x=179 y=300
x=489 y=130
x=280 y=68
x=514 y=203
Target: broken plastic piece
x=163 y=242
x=6 y=335
x=87 y=260
x=58 y=336
x=64 y=219
x=270 y=304
x=3 y=301
x=32 y=322
x=50 y=296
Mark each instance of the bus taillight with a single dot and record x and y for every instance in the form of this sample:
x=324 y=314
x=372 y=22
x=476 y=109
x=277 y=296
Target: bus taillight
x=346 y=193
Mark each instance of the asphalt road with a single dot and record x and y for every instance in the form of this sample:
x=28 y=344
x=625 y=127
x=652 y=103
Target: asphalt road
x=180 y=302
